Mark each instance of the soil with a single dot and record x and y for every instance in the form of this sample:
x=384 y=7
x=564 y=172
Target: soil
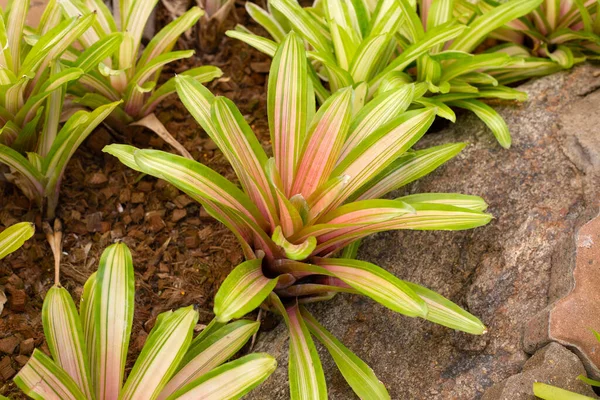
x=180 y=254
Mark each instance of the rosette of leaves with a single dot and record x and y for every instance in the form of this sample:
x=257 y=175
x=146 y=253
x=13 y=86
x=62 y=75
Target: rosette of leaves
x=34 y=147
x=320 y=192
x=375 y=45
x=555 y=36
x=89 y=348
x=128 y=70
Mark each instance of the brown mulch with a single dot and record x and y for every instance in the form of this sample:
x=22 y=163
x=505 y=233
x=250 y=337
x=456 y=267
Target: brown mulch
x=180 y=254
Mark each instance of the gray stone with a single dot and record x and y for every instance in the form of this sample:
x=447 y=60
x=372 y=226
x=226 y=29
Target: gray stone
x=505 y=272
x=554 y=365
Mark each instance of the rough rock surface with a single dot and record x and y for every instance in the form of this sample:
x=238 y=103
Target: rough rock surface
x=570 y=319
x=540 y=191
x=554 y=365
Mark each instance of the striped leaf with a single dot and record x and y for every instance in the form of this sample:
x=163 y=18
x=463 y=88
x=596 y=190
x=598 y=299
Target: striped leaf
x=134 y=22
x=295 y=251
x=261 y=44
x=244 y=289
x=303 y=24
x=202 y=74
x=64 y=335
x=92 y=56
x=381 y=148
x=41 y=378
x=113 y=309
x=474 y=203
x=14 y=31
x=290 y=106
x=210 y=353
x=357 y=373
x=245 y=153
x=306 y=377
x=164 y=40
x=376 y=283
x=87 y=315
x=444 y=312
x=230 y=381
x=377 y=113
x=164 y=349
x=32 y=183
x=475 y=63
x=366 y=212
x=489 y=116
x=490 y=21
x=323 y=143
x=14 y=236
x=266 y=20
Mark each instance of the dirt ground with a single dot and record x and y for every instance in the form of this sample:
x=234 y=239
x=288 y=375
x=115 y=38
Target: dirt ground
x=180 y=254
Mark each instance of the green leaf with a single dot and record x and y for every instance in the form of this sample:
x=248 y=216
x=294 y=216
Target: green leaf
x=164 y=40
x=549 y=392
x=210 y=353
x=113 y=308
x=444 y=312
x=244 y=289
x=376 y=283
x=290 y=104
x=294 y=251
x=323 y=143
x=164 y=349
x=357 y=373
x=266 y=20
x=14 y=236
x=42 y=379
x=489 y=116
x=490 y=21
x=64 y=335
x=306 y=377
x=92 y=56
x=261 y=44
x=474 y=203
x=303 y=24
x=381 y=148
x=33 y=182
x=230 y=381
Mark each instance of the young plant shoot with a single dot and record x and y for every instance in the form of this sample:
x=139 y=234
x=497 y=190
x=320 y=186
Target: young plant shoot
x=89 y=348
x=124 y=71
x=319 y=193
x=554 y=36
x=377 y=45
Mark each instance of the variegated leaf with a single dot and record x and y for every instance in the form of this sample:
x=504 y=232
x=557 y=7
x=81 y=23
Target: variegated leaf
x=14 y=236
x=164 y=349
x=244 y=289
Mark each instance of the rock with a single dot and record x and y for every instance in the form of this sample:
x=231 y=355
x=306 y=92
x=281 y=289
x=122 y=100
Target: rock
x=505 y=272
x=554 y=365
x=569 y=320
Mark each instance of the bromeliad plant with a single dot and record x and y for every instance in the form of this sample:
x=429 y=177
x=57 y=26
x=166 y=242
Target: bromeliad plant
x=318 y=194
x=89 y=348
x=39 y=174
x=125 y=71
x=376 y=45
x=29 y=75
x=554 y=36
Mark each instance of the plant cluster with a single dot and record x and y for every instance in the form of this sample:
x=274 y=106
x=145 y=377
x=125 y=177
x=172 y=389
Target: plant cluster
x=106 y=81
x=320 y=192
x=554 y=36
x=89 y=347
x=375 y=46
x=380 y=72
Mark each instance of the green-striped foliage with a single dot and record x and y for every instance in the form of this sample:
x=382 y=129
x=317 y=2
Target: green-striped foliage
x=319 y=193
x=119 y=67
x=552 y=37
x=89 y=348
x=377 y=46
